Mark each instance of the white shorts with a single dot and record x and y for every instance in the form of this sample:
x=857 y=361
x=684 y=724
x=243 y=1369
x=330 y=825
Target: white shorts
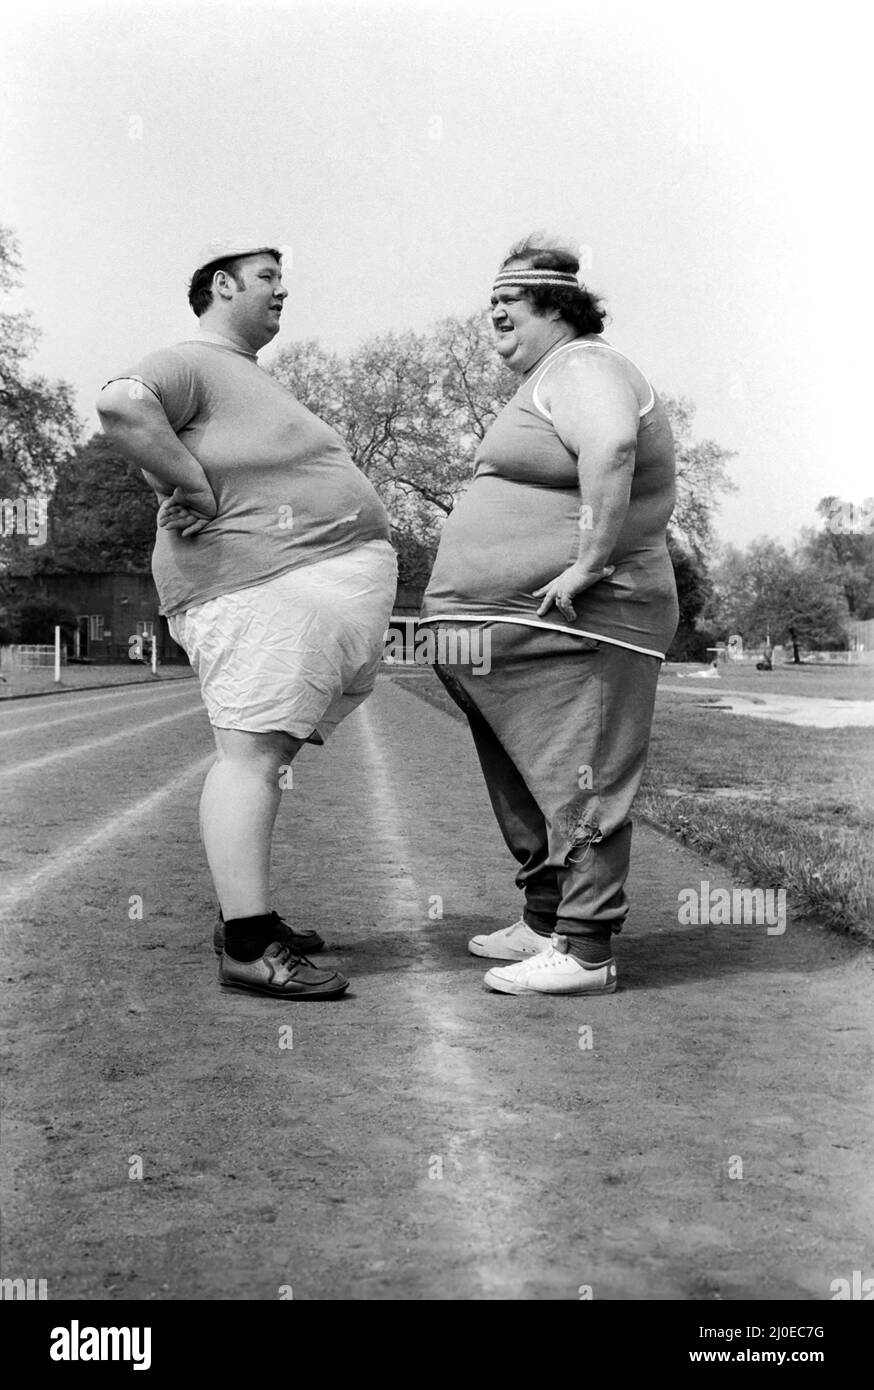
x=297 y=653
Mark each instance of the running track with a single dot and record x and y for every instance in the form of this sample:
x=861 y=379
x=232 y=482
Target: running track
x=422 y=1138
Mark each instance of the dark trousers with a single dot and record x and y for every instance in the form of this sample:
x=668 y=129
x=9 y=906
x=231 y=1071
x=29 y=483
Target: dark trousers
x=561 y=726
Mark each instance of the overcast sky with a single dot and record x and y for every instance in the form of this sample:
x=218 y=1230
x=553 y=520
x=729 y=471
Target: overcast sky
x=709 y=157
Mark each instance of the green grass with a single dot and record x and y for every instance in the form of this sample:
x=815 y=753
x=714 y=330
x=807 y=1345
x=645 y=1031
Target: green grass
x=780 y=806
x=783 y=807
x=836 y=682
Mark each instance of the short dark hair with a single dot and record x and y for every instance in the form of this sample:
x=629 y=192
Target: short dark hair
x=200 y=289
x=581 y=308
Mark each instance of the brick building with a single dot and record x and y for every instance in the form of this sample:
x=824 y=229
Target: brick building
x=109 y=609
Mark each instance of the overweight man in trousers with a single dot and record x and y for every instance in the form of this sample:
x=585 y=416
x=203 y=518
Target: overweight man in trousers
x=275 y=571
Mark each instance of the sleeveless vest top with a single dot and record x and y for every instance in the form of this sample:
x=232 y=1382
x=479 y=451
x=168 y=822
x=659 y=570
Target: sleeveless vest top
x=518 y=527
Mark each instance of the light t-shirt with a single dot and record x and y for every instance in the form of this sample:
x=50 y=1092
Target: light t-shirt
x=287 y=490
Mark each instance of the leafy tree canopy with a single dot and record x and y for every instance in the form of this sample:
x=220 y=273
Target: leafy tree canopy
x=764 y=591
x=38 y=423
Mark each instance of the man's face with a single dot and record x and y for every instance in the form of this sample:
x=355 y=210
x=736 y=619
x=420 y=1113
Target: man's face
x=522 y=335
x=256 y=298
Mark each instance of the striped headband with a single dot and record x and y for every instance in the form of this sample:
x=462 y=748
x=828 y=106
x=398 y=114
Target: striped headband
x=535 y=278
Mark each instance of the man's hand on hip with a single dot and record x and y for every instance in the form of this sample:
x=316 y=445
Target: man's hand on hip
x=562 y=591
x=188 y=512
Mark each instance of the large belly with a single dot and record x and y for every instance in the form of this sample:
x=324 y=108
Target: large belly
x=502 y=541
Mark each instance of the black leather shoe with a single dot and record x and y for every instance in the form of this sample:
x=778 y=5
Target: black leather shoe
x=305 y=943
x=281 y=973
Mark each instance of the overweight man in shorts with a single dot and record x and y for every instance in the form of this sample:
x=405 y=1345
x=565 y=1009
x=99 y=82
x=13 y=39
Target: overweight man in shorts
x=275 y=571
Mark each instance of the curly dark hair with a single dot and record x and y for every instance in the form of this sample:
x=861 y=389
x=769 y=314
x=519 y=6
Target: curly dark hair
x=582 y=309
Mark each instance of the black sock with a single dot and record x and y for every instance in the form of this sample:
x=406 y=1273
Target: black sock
x=539 y=928
x=247 y=938
x=590 y=951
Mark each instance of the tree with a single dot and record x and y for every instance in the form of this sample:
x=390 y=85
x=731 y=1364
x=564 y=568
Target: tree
x=702 y=473
x=843 y=551
x=694 y=589
x=102 y=515
x=475 y=383
x=766 y=591
x=38 y=424
x=34 y=618
x=415 y=557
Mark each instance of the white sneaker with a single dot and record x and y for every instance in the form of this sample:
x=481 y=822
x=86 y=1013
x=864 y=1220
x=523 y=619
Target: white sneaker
x=510 y=943
x=553 y=971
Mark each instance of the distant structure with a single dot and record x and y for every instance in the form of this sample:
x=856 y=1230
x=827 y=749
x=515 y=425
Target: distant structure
x=113 y=609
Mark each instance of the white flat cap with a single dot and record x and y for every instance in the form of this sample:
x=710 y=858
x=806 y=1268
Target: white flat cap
x=223 y=250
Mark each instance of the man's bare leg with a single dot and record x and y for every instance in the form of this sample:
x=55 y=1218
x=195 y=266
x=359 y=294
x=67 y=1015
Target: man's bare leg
x=238 y=809
x=237 y=813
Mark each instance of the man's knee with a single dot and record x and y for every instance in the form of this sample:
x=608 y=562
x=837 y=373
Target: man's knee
x=267 y=752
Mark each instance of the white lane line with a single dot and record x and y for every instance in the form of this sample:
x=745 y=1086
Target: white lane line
x=487 y=1208
x=15 y=892
x=131 y=732
x=88 y=714
x=20 y=705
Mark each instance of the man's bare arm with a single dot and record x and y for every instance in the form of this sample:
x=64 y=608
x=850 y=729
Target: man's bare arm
x=173 y=511
x=136 y=424
x=594 y=413
x=161 y=490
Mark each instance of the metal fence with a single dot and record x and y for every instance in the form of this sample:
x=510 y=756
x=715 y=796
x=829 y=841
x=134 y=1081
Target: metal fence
x=28 y=656
x=782 y=656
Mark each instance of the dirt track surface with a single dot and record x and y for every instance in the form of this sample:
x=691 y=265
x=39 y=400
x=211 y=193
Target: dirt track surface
x=422 y=1138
